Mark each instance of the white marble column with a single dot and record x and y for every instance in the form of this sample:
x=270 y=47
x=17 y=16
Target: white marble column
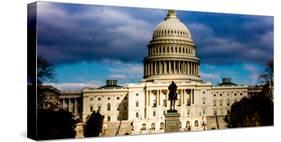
x=182 y=97
x=186 y=63
x=63 y=103
x=150 y=68
x=192 y=68
x=190 y=96
x=170 y=66
x=174 y=69
x=156 y=67
x=160 y=67
x=179 y=67
x=144 y=70
x=159 y=91
x=76 y=106
x=147 y=68
x=185 y=68
x=188 y=68
x=69 y=105
x=182 y=67
x=164 y=67
x=198 y=69
x=148 y=100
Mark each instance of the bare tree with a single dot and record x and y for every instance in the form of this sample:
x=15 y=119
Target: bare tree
x=45 y=70
x=267 y=79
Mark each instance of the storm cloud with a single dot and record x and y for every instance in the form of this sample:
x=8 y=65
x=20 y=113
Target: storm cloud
x=69 y=33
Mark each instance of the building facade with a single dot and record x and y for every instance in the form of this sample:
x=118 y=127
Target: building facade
x=139 y=108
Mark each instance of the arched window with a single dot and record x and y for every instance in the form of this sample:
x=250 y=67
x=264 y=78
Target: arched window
x=161 y=125
x=143 y=126
x=215 y=102
x=187 y=124
x=227 y=101
x=152 y=126
x=196 y=123
x=180 y=124
x=108 y=107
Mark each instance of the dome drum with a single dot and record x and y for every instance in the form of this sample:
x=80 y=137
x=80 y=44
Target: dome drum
x=171 y=52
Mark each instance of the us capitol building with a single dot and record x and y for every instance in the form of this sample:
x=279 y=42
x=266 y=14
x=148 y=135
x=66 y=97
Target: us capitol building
x=139 y=108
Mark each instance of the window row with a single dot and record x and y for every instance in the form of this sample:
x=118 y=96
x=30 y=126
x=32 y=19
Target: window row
x=108 y=98
x=162 y=125
x=220 y=101
x=108 y=107
x=159 y=50
x=221 y=94
x=168 y=32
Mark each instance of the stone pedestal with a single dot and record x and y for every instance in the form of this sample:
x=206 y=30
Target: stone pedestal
x=172 y=122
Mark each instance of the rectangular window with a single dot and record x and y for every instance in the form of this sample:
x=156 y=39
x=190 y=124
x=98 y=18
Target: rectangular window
x=154 y=113
x=165 y=103
x=91 y=108
x=108 y=118
x=188 y=102
x=154 y=103
x=204 y=100
x=215 y=102
x=215 y=112
x=99 y=108
x=137 y=114
x=179 y=100
x=204 y=111
x=221 y=102
x=137 y=104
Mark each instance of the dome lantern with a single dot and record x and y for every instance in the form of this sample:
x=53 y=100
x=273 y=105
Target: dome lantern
x=171 y=15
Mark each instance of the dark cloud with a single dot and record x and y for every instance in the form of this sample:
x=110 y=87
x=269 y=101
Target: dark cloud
x=96 y=33
x=228 y=39
x=70 y=33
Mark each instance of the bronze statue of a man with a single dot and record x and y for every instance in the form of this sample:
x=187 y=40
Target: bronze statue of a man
x=172 y=95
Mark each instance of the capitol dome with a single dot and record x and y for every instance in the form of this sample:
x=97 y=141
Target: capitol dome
x=171 y=52
x=171 y=26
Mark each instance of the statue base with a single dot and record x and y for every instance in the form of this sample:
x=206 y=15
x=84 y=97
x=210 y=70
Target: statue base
x=172 y=121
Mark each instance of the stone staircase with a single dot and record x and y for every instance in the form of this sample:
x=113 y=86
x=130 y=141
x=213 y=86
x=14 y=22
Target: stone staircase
x=117 y=128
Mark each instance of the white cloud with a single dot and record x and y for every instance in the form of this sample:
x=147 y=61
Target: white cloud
x=118 y=76
x=76 y=86
x=125 y=71
x=253 y=71
x=210 y=76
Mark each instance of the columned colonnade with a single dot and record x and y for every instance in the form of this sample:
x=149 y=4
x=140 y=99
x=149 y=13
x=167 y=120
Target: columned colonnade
x=70 y=104
x=185 y=98
x=171 y=67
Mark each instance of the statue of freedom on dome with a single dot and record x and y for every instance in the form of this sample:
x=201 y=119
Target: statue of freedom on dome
x=172 y=96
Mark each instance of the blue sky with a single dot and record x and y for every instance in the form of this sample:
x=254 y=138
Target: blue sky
x=89 y=44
